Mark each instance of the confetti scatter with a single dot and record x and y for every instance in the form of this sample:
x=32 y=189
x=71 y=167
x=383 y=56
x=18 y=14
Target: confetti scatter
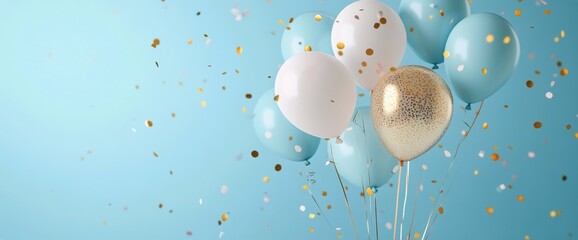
x=239 y=50
x=447 y=153
x=485 y=125
x=156 y=42
x=224 y=217
x=529 y=84
x=238 y=14
x=564 y=178
x=531 y=154
x=518 y=12
x=149 y=123
x=441 y=210
x=549 y=95
x=490 y=210
x=564 y=72
x=311 y=216
x=224 y=189
x=481 y=154
x=537 y=125
x=278 y=167
x=302 y=208
x=416 y=235
x=254 y=154
x=495 y=157
x=553 y=214
x=265 y=179
x=520 y=198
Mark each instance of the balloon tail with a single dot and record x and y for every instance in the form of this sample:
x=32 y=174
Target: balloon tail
x=307 y=163
x=397 y=199
x=346 y=201
x=435 y=67
x=404 y=201
x=441 y=191
x=469 y=106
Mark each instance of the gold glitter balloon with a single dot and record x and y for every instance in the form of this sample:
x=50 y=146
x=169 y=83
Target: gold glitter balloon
x=411 y=109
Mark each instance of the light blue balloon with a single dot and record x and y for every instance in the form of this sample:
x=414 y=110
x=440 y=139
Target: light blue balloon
x=310 y=29
x=361 y=158
x=429 y=23
x=278 y=134
x=483 y=51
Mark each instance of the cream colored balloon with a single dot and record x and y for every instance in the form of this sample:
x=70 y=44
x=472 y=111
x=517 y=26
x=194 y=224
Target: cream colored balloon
x=411 y=109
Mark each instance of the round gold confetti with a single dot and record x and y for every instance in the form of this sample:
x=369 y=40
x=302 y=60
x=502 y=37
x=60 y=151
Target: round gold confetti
x=200 y=90
x=547 y=12
x=441 y=210
x=248 y=96
x=305 y=187
x=311 y=216
x=265 y=179
x=416 y=235
x=485 y=125
x=562 y=33
x=203 y=103
x=495 y=157
x=278 y=167
x=476 y=172
x=340 y=53
x=369 y=191
x=224 y=217
x=556 y=39
x=360 y=71
x=239 y=50
x=559 y=64
x=369 y=52
x=490 y=210
x=537 y=72
x=484 y=71
x=529 y=84
x=552 y=213
x=307 y=48
x=156 y=42
x=291 y=20
x=520 y=198
x=149 y=123
x=568 y=126
x=340 y=45
x=190 y=41
x=363 y=64
x=324 y=194
x=376 y=25
x=382 y=20
x=506 y=39
x=446 y=54
x=517 y=12
x=411 y=29
x=317 y=17
x=537 y=125
x=564 y=72
x=489 y=38
x=576 y=135
x=329 y=207
x=155 y=154
x=290 y=138
x=254 y=154
x=281 y=22
x=311 y=229
x=526 y=237
x=442 y=13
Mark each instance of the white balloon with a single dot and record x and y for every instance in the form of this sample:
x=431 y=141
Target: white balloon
x=316 y=93
x=369 y=38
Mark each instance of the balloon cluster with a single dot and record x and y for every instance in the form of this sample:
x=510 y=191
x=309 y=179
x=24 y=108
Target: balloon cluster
x=411 y=106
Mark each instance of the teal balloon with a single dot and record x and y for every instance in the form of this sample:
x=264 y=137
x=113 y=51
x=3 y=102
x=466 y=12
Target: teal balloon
x=429 y=23
x=278 y=134
x=361 y=158
x=482 y=53
x=310 y=29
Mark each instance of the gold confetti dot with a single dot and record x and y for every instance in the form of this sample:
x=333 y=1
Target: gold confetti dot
x=564 y=72
x=547 y=12
x=369 y=52
x=562 y=33
x=552 y=213
x=382 y=20
x=520 y=198
x=305 y=187
x=442 y=13
x=190 y=41
x=340 y=45
x=476 y=172
x=291 y=20
x=363 y=64
x=200 y=90
x=149 y=123
x=203 y=103
x=490 y=210
x=517 y=12
x=416 y=235
x=537 y=125
x=376 y=25
x=441 y=210
x=529 y=84
x=360 y=71
x=369 y=191
x=311 y=229
x=568 y=126
x=307 y=48
x=506 y=39
x=489 y=38
x=324 y=194
x=155 y=154
x=156 y=42
x=160 y=205
x=485 y=125
x=265 y=179
x=278 y=167
x=495 y=157
x=576 y=135
x=248 y=96
x=317 y=17
x=281 y=22
x=484 y=71
x=446 y=54
x=290 y=138
x=254 y=154
x=340 y=53
x=239 y=50
x=224 y=217
x=361 y=94
x=526 y=237
x=329 y=207
x=311 y=216
x=556 y=39
x=411 y=29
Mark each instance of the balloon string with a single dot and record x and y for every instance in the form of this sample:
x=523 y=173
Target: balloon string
x=346 y=200
x=376 y=225
x=414 y=206
x=319 y=208
x=436 y=213
x=365 y=207
x=397 y=199
x=404 y=201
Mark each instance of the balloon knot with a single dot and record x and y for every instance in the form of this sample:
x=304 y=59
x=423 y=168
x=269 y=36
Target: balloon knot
x=469 y=106
x=435 y=67
x=374 y=189
x=401 y=163
x=307 y=163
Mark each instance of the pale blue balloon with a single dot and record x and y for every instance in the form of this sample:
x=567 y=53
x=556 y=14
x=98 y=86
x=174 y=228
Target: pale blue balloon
x=482 y=53
x=361 y=158
x=278 y=134
x=429 y=23
x=310 y=29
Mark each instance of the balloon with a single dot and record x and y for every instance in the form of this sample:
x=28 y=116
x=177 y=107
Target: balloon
x=308 y=32
x=361 y=159
x=411 y=109
x=278 y=134
x=429 y=24
x=481 y=54
x=369 y=38
x=316 y=93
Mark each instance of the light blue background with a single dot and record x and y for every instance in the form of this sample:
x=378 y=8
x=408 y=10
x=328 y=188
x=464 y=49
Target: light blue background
x=71 y=166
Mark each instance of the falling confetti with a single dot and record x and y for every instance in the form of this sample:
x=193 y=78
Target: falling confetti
x=238 y=14
x=481 y=154
x=254 y=154
x=224 y=189
x=531 y=154
x=495 y=157
x=447 y=153
x=155 y=43
x=265 y=179
x=520 y=198
x=490 y=210
x=302 y=208
x=278 y=167
x=537 y=125
x=239 y=50
x=549 y=95
x=149 y=123
x=388 y=225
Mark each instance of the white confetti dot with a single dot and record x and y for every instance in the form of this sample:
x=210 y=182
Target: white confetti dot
x=298 y=148
x=268 y=134
x=464 y=133
x=224 y=189
x=552 y=83
x=447 y=153
x=208 y=41
x=200 y=201
x=395 y=169
x=388 y=226
x=421 y=187
x=302 y=208
x=481 y=154
x=221 y=234
x=500 y=188
x=424 y=167
x=266 y=198
x=531 y=154
x=133 y=130
x=460 y=68
x=549 y=95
